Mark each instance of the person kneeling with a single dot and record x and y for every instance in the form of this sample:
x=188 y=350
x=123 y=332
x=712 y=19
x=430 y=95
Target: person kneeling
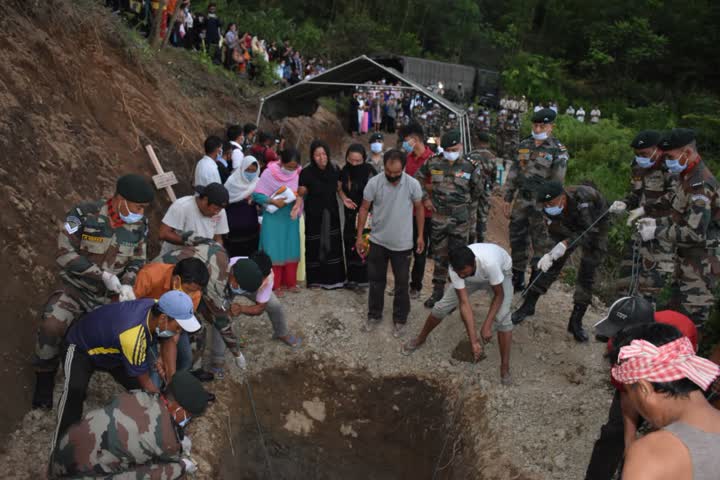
x=481 y=266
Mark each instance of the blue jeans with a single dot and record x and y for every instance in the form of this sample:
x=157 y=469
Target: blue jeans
x=183 y=361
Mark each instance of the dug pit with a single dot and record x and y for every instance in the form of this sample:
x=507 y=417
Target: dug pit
x=344 y=425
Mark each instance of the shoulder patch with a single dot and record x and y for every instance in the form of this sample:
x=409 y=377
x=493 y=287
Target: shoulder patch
x=72 y=224
x=524 y=150
x=700 y=199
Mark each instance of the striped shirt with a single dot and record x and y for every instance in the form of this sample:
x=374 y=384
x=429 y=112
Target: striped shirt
x=115 y=335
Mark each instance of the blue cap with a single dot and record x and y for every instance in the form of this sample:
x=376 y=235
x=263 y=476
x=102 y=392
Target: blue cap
x=178 y=305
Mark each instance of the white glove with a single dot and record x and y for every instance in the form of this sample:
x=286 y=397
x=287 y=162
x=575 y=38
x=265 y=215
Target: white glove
x=186 y=445
x=618 y=207
x=558 y=251
x=545 y=262
x=634 y=215
x=111 y=281
x=240 y=361
x=190 y=466
x=647 y=227
x=126 y=293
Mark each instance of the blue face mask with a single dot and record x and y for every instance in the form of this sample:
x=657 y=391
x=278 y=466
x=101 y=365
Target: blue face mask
x=236 y=291
x=250 y=176
x=130 y=217
x=377 y=147
x=673 y=165
x=164 y=334
x=644 y=162
x=553 y=211
x=407 y=147
x=183 y=423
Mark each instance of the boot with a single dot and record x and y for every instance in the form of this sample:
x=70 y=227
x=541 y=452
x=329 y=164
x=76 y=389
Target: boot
x=518 y=280
x=575 y=324
x=44 y=386
x=527 y=309
x=434 y=298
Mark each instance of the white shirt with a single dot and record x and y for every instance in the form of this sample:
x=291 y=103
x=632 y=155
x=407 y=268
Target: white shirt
x=237 y=155
x=184 y=215
x=263 y=294
x=206 y=172
x=492 y=264
x=537 y=108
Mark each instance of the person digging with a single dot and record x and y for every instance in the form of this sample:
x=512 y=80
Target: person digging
x=481 y=266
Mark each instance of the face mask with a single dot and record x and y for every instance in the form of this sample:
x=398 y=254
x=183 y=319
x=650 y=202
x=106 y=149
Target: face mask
x=540 y=136
x=286 y=171
x=377 y=147
x=130 y=217
x=644 y=162
x=236 y=291
x=407 y=147
x=182 y=423
x=553 y=211
x=393 y=179
x=673 y=165
x=250 y=176
x=451 y=156
x=163 y=333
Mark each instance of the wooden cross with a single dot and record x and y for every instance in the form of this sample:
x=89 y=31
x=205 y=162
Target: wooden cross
x=163 y=179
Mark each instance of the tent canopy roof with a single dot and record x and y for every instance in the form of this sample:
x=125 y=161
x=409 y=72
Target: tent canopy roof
x=301 y=98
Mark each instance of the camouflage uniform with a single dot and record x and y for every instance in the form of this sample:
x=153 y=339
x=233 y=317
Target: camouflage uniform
x=215 y=305
x=484 y=159
x=93 y=240
x=500 y=140
x=454 y=189
x=548 y=161
x=584 y=205
x=694 y=228
x=651 y=188
x=511 y=136
x=133 y=437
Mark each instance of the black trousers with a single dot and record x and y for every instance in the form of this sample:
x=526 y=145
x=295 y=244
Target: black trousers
x=79 y=369
x=609 y=449
x=377 y=263
x=419 y=259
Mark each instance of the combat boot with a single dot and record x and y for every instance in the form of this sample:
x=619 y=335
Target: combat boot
x=575 y=324
x=518 y=280
x=44 y=386
x=434 y=298
x=527 y=309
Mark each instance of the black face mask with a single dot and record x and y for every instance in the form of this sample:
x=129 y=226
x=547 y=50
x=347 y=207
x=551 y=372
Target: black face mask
x=393 y=179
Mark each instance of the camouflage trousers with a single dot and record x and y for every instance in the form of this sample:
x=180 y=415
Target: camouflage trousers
x=656 y=263
x=479 y=219
x=154 y=471
x=448 y=233
x=526 y=227
x=593 y=251
x=62 y=309
x=695 y=274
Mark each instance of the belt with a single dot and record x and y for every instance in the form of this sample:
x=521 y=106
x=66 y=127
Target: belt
x=693 y=252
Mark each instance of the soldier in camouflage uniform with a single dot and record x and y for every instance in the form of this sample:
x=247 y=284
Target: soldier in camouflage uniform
x=650 y=194
x=500 y=133
x=538 y=158
x=101 y=247
x=136 y=436
x=693 y=226
x=456 y=184
x=511 y=134
x=569 y=213
x=484 y=159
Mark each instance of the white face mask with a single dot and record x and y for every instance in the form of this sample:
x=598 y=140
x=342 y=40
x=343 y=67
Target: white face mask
x=540 y=136
x=451 y=156
x=376 y=147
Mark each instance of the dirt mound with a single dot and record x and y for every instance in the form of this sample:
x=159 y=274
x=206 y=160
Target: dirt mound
x=78 y=106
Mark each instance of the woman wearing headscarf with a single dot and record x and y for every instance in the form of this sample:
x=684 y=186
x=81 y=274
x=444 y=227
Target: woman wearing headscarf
x=242 y=215
x=353 y=178
x=324 y=262
x=280 y=233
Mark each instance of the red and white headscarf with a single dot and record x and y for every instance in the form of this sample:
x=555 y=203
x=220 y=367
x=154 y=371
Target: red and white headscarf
x=641 y=360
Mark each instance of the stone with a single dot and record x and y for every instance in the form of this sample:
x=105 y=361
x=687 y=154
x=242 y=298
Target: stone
x=560 y=461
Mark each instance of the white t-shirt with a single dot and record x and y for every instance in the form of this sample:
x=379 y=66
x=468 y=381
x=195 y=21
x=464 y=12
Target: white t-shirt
x=206 y=172
x=184 y=215
x=492 y=264
x=237 y=155
x=265 y=291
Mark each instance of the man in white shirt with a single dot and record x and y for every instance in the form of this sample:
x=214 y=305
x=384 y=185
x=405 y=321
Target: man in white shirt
x=595 y=115
x=195 y=217
x=580 y=115
x=480 y=266
x=206 y=170
x=570 y=111
x=236 y=137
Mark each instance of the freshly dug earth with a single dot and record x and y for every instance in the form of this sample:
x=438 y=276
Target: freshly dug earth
x=334 y=423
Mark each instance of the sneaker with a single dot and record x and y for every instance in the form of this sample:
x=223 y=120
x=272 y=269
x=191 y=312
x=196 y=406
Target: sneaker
x=414 y=294
x=399 y=330
x=218 y=372
x=203 y=375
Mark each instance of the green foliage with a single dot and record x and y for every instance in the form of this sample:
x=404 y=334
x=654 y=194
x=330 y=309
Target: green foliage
x=535 y=76
x=264 y=72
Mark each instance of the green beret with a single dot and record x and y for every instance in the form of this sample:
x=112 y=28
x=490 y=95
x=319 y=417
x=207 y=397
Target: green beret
x=189 y=392
x=677 y=138
x=247 y=274
x=548 y=190
x=135 y=188
x=483 y=137
x=646 y=139
x=546 y=115
x=450 y=139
